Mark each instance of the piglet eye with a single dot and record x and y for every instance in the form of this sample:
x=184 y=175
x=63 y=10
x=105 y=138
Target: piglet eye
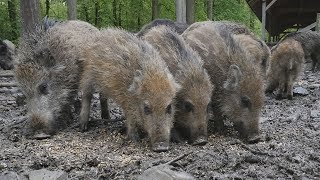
x=245 y=101
x=209 y=107
x=147 y=110
x=43 y=88
x=188 y=106
x=169 y=109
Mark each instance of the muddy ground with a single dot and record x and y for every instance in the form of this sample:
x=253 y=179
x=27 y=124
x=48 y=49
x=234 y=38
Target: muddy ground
x=289 y=148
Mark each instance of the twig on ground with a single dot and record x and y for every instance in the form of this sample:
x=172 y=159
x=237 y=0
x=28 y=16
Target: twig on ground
x=178 y=158
x=107 y=120
x=19 y=121
x=8 y=85
x=253 y=151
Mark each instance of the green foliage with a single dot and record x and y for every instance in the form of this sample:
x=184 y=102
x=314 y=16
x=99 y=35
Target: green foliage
x=131 y=14
x=7 y=28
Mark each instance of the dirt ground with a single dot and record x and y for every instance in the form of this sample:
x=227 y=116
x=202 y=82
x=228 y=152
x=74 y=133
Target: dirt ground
x=289 y=148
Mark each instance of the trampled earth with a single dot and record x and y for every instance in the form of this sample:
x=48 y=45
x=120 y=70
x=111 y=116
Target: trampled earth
x=289 y=146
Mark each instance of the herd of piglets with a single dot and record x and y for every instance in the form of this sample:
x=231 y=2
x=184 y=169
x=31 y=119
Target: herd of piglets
x=172 y=80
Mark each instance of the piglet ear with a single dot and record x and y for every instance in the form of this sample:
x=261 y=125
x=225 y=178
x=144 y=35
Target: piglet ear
x=179 y=76
x=136 y=84
x=233 y=78
x=56 y=71
x=3 y=48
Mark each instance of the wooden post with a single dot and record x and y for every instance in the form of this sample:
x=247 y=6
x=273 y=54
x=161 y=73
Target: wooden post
x=181 y=11
x=318 y=23
x=72 y=9
x=30 y=15
x=263 y=28
x=190 y=11
x=209 y=9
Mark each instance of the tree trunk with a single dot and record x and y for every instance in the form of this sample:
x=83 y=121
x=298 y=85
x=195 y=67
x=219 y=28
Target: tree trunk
x=85 y=10
x=190 y=11
x=47 y=7
x=181 y=11
x=139 y=12
x=12 y=10
x=30 y=14
x=209 y=9
x=72 y=9
x=155 y=9
x=97 y=13
x=119 y=15
x=114 y=11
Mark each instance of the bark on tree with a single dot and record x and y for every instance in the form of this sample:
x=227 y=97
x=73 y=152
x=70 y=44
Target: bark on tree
x=47 y=7
x=114 y=11
x=119 y=14
x=318 y=23
x=139 y=24
x=181 y=11
x=85 y=10
x=155 y=9
x=190 y=11
x=97 y=13
x=209 y=9
x=12 y=11
x=30 y=15
x=72 y=9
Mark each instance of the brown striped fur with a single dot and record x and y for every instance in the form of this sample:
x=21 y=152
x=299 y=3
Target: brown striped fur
x=239 y=93
x=131 y=71
x=48 y=72
x=193 y=98
x=285 y=66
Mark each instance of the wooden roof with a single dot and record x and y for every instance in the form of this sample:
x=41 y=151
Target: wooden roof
x=284 y=14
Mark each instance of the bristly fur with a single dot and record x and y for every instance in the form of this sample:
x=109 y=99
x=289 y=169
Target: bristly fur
x=48 y=71
x=310 y=43
x=233 y=75
x=132 y=72
x=187 y=66
x=176 y=26
x=285 y=66
x=7 y=52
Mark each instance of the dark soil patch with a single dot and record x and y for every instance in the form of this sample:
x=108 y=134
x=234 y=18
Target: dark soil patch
x=289 y=147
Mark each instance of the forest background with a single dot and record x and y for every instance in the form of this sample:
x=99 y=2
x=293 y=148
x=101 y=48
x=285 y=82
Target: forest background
x=128 y=14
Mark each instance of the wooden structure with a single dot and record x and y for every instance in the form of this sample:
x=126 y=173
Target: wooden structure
x=279 y=15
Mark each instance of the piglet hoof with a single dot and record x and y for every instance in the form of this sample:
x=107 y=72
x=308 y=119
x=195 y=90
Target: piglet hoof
x=254 y=139
x=133 y=137
x=279 y=97
x=83 y=127
x=41 y=136
x=200 y=141
x=160 y=147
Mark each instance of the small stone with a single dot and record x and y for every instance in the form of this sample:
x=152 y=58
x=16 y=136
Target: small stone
x=48 y=175
x=10 y=175
x=300 y=91
x=20 y=100
x=252 y=159
x=3 y=165
x=165 y=172
x=314 y=113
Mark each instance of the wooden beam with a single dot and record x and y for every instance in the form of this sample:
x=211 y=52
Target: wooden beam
x=8 y=85
x=263 y=29
x=294 y=10
x=270 y=4
x=6 y=73
x=307 y=27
